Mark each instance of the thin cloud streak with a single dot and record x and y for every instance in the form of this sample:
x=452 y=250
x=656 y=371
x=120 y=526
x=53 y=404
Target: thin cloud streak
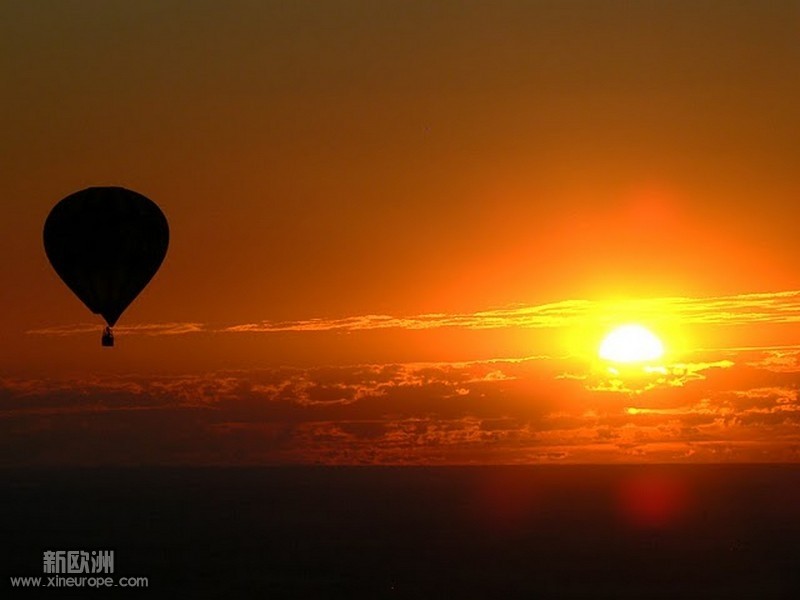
x=149 y=329
x=739 y=309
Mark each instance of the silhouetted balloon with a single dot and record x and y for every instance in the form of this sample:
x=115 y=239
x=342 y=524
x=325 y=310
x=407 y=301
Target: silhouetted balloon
x=106 y=243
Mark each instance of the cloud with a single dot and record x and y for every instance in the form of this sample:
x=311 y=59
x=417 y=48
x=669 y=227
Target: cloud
x=740 y=309
x=497 y=411
x=639 y=380
x=766 y=307
x=785 y=359
x=151 y=329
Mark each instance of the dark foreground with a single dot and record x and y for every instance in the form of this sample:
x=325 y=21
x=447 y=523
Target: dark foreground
x=484 y=532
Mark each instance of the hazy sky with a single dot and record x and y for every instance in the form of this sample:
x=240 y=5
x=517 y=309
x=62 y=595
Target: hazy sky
x=373 y=202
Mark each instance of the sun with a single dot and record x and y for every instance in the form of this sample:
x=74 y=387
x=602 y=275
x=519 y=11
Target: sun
x=631 y=344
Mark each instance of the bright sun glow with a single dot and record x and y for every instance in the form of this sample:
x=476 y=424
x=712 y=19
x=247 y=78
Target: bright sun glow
x=630 y=344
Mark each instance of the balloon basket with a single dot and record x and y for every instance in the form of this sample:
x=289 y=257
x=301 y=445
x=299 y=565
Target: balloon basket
x=108 y=338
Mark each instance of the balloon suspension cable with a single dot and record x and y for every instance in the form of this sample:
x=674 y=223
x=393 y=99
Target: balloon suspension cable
x=108 y=337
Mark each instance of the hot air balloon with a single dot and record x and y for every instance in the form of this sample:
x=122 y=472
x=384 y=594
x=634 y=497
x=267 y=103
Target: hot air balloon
x=106 y=243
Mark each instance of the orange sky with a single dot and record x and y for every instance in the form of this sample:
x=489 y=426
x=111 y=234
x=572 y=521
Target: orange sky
x=336 y=173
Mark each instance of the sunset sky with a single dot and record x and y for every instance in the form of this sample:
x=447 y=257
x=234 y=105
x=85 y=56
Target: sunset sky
x=400 y=230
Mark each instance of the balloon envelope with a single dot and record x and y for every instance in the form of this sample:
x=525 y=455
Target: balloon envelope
x=106 y=243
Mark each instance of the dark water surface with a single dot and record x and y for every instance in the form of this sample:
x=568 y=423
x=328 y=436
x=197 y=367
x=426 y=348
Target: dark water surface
x=706 y=531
